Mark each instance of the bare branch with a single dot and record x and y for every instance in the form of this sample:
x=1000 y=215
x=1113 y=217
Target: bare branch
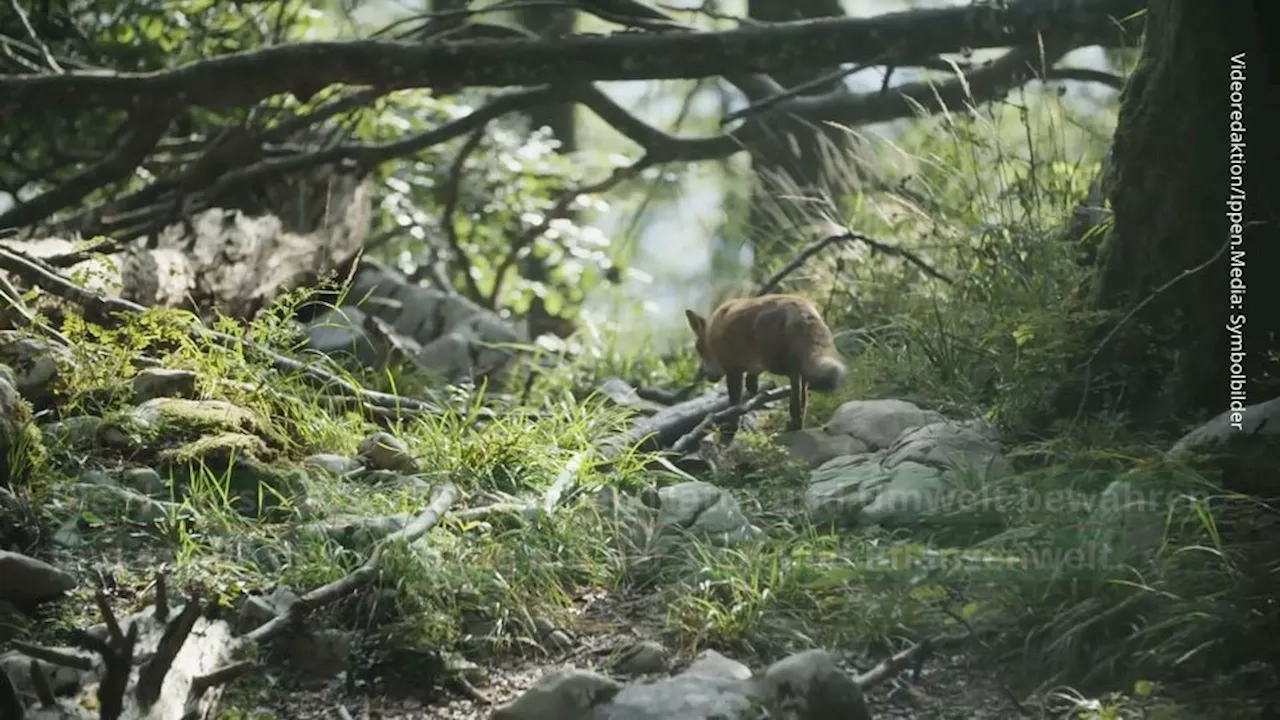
x=114 y=635
x=35 y=39
x=453 y=193
x=116 y=166
x=801 y=89
x=558 y=210
x=148 y=218
x=51 y=656
x=733 y=412
x=814 y=248
x=325 y=594
x=893 y=665
x=118 y=663
x=995 y=80
x=243 y=78
x=151 y=677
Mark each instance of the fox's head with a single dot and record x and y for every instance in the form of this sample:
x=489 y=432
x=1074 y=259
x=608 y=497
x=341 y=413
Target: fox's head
x=698 y=325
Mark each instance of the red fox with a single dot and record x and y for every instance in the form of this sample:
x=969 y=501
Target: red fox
x=778 y=334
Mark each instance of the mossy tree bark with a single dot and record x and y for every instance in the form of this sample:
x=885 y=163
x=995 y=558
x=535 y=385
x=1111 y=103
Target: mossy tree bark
x=1170 y=244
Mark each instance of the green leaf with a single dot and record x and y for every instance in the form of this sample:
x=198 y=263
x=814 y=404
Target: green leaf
x=1023 y=334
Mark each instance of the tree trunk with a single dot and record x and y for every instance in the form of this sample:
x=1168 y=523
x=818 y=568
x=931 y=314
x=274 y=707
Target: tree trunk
x=1170 y=191
x=551 y=22
x=792 y=162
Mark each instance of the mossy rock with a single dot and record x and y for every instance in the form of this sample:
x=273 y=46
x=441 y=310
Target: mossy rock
x=22 y=447
x=252 y=488
x=216 y=450
x=236 y=463
x=164 y=424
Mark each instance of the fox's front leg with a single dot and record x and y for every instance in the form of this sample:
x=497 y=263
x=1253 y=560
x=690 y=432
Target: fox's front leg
x=798 y=389
x=729 y=428
x=752 y=386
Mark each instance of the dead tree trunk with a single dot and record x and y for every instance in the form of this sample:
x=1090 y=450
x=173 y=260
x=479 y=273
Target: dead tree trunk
x=551 y=22
x=561 y=118
x=1171 y=253
x=792 y=160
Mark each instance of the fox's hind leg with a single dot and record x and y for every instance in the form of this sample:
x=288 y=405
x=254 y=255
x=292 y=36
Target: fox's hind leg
x=753 y=386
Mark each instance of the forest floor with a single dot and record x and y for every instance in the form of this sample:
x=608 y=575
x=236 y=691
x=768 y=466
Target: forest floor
x=236 y=488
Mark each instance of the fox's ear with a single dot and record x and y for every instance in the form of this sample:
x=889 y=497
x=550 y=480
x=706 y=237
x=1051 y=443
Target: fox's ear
x=696 y=322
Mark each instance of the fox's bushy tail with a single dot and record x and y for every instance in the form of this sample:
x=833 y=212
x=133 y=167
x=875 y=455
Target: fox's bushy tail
x=823 y=372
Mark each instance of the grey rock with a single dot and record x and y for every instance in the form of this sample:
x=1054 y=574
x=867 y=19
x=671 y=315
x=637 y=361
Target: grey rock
x=331 y=463
x=569 y=694
x=146 y=481
x=28 y=580
x=154 y=383
x=642 y=658
x=1260 y=419
x=384 y=451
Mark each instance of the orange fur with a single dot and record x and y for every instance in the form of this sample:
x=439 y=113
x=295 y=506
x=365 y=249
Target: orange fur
x=778 y=334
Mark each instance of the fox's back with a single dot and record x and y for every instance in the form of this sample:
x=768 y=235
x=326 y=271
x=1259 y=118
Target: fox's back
x=770 y=333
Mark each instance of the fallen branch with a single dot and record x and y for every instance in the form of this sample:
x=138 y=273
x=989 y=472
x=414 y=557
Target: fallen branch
x=894 y=664
x=162 y=669
x=664 y=427
x=691 y=439
x=157 y=669
x=484 y=512
x=344 y=586
x=567 y=477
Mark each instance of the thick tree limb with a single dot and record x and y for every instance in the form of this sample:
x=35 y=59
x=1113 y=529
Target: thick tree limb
x=192 y=191
x=978 y=86
x=244 y=78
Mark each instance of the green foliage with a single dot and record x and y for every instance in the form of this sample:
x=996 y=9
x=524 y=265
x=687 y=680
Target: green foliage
x=501 y=221
x=980 y=198
x=46 y=147
x=497 y=218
